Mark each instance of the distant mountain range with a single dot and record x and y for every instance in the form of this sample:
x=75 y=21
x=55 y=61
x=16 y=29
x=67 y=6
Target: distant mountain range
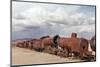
x=21 y=39
x=87 y=35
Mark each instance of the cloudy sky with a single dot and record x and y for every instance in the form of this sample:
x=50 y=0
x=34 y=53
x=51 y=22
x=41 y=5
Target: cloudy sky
x=33 y=20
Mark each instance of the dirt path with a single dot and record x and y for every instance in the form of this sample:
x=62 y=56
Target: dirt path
x=22 y=56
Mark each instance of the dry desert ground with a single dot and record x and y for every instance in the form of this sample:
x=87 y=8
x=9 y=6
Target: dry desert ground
x=22 y=56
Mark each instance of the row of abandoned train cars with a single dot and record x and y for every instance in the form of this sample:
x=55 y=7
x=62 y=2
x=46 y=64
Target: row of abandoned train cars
x=63 y=46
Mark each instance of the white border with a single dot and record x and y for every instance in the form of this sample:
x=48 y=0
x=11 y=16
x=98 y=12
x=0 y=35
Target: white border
x=5 y=33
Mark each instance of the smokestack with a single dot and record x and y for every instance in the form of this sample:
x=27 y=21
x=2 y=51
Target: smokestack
x=74 y=35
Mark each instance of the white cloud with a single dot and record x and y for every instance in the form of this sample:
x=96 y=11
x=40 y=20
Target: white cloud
x=55 y=19
x=81 y=28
